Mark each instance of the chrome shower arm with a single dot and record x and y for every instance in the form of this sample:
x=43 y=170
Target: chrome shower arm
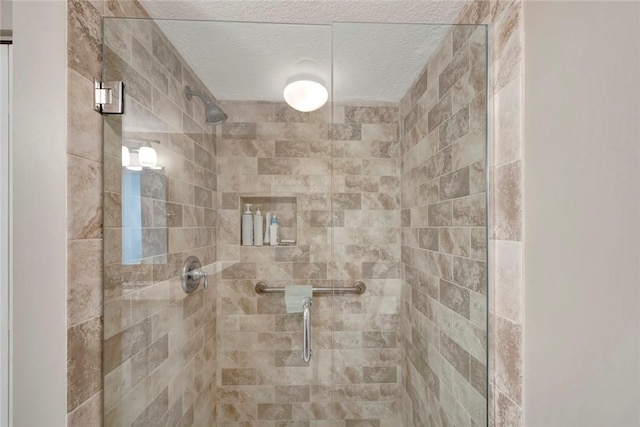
x=190 y=93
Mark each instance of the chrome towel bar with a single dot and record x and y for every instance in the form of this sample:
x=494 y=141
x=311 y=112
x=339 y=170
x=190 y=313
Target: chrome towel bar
x=359 y=288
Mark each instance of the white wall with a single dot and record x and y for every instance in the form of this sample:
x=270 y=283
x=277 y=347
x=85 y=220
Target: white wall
x=39 y=213
x=582 y=197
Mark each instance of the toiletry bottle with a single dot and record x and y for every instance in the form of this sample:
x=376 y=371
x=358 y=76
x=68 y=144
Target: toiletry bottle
x=274 y=231
x=247 y=227
x=267 y=228
x=257 y=228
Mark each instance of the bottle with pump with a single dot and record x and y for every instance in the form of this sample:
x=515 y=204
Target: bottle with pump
x=257 y=228
x=247 y=227
x=274 y=231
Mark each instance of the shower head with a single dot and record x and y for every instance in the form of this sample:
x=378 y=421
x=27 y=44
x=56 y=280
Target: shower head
x=213 y=113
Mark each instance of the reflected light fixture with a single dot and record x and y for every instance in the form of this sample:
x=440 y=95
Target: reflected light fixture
x=305 y=95
x=134 y=164
x=137 y=159
x=148 y=157
x=126 y=157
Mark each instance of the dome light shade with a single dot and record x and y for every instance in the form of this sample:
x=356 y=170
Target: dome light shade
x=148 y=157
x=305 y=95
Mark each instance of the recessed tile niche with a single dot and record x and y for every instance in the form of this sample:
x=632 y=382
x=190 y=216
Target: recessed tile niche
x=284 y=207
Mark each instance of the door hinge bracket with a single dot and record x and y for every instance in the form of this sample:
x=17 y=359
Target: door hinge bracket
x=108 y=97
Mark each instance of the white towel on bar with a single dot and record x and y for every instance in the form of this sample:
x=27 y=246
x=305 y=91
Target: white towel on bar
x=293 y=295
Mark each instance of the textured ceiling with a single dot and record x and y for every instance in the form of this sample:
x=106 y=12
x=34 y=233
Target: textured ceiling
x=245 y=60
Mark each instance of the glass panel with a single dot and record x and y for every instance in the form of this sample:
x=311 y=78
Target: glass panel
x=275 y=157
x=174 y=357
x=384 y=184
x=410 y=187
x=159 y=198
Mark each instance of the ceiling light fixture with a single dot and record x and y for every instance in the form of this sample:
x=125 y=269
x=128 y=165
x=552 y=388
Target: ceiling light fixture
x=305 y=95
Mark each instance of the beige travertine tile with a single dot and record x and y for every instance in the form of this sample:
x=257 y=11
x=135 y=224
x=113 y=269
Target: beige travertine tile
x=456 y=298
x=84 y=202
x=370 y=114
x=165 y=53
x=507 y=198
x=418 y=87
x=125 y=344
x=117 y=384
x=479 y=243
x=456 y=127
x=475 y=13
x=508 y=130
x=454 y=70
x=131 y=9
x=507 y=412
x=84 y=368
x=166 y=110
x=84 y=39
x=507 y=50
x=138 y=87
x=89 y=413
x=472 y=401
x=508 y=375
x=142 y=59
x=470 y=211
x=440 y=214
x=85 y=125
x=455 y=241
x=85 y=280
x=508 y=293
x=249 y=112
x=470 y=274
x=478 y=375
x=454 y=184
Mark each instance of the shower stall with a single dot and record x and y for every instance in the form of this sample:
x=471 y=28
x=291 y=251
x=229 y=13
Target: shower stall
x=378 y=182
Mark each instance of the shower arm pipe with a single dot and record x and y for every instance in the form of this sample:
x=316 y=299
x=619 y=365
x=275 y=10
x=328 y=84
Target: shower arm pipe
x=359 y=288
x=189 y=92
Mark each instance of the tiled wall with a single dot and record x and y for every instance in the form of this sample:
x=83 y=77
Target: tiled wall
x=270 y=149
x=84 y=206
x=444 y=315
x=505 y=266
x=506 y=234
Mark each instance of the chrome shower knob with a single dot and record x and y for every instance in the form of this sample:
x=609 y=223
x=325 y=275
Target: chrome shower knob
x=192 y=275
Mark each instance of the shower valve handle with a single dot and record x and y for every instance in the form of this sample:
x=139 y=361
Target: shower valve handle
x=199 y=274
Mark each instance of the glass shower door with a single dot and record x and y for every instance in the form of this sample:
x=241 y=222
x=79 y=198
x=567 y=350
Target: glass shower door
x=276 y=158
x=384 y=185
x=176 y=186
x=410 y=202
x=159 y=197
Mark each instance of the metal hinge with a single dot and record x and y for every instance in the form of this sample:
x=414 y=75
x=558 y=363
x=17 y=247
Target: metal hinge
x=108 y=97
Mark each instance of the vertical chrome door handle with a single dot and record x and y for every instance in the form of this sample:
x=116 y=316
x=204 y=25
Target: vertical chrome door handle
x=306 y=329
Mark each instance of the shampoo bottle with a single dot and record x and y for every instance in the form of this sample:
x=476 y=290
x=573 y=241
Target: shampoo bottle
x=247 y=227
x=267 y=228
x=257 y=228
x=274 y=231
